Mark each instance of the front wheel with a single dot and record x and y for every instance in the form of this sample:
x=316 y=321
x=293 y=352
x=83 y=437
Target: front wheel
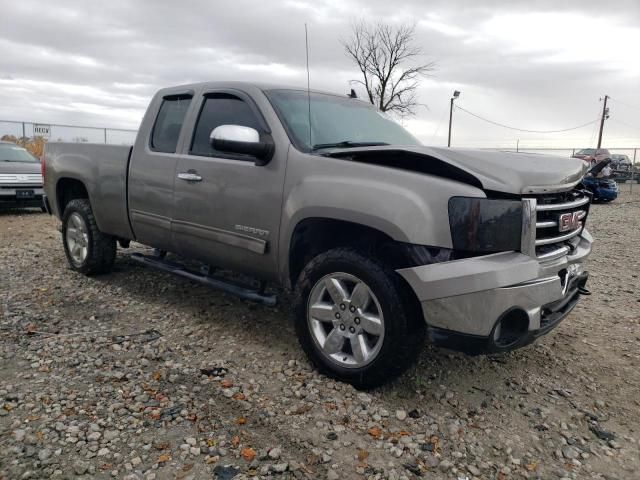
x=88 y=250
x=355 y=318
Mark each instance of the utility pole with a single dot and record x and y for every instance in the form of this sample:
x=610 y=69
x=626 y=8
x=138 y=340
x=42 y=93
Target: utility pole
x=605 y=114
x=456 y=94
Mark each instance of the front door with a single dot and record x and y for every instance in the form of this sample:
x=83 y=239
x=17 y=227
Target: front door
x=227 y=209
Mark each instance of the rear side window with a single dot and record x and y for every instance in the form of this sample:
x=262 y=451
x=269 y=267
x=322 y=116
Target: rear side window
x=220 y=109
x=166 y=130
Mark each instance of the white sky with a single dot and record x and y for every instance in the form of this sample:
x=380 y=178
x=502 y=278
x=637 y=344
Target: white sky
x=539 y=64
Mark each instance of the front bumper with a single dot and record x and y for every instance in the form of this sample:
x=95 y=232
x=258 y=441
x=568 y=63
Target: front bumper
x=463 y=301
x=9 y=196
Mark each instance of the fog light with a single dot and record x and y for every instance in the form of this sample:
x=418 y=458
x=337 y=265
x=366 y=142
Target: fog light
x=511 y=328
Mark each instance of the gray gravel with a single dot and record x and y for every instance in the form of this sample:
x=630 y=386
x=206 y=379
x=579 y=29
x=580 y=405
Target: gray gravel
x=140 y=375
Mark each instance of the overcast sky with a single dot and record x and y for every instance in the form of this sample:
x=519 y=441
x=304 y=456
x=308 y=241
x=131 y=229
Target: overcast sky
x=539 y=64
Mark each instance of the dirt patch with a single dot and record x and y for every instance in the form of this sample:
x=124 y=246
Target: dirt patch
x=138 y=374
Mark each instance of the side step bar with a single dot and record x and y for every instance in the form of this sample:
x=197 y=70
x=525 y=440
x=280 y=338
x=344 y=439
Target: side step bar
x=217 y=283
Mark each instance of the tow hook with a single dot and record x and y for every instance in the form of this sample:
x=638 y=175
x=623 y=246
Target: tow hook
x=582 y=282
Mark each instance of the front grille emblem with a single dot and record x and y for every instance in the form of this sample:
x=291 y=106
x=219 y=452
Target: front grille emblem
x=570 y=221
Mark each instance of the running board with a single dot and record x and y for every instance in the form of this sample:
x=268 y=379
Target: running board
x=217 y=283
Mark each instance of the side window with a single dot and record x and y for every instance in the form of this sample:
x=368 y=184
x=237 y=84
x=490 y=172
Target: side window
x=220 y=109
x=166 y=130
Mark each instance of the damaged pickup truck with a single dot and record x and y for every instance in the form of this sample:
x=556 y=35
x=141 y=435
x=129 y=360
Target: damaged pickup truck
x=384 y=241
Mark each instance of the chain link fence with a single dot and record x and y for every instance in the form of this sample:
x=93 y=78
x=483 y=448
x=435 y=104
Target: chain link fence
x=65 y=133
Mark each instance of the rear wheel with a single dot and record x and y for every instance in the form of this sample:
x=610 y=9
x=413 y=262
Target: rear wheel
x=88 y=250
x=355 y=318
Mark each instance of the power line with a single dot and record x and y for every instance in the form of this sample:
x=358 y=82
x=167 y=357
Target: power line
x=594 y=130
x=444 y=113
x=625 y=123
x=523 y=129
x=625 y=103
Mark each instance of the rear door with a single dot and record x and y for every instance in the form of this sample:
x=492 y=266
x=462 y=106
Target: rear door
x=229 y=216
x=152 y=170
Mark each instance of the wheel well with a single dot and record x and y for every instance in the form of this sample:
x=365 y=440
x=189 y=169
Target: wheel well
x=69 y=189
x=313 y=236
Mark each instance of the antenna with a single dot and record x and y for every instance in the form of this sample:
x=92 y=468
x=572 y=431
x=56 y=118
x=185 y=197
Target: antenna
x=306 y=42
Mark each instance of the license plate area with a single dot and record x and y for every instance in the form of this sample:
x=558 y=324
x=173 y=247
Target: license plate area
x=24 y=194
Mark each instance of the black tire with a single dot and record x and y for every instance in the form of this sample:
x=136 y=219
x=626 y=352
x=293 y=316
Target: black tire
x=404 y=327
x=101 y=248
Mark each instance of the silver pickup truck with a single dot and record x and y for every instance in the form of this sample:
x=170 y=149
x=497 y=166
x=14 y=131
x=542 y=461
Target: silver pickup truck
x=384 y=241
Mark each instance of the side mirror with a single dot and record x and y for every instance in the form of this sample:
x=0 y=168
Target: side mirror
x=242 y=140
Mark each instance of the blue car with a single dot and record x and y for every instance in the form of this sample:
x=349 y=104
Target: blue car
x=603 y=189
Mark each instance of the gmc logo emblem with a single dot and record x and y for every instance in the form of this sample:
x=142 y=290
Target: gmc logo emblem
x=570 y=221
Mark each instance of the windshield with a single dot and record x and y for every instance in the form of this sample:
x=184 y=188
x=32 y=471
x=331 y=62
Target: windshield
x=336 y=121
x=587 y=151
x=14 y=153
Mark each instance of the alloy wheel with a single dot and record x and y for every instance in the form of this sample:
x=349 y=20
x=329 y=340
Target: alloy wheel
x=345 y=320
x=77 y=238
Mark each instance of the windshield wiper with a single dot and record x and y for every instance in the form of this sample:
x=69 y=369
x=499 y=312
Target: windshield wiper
x=347 y=144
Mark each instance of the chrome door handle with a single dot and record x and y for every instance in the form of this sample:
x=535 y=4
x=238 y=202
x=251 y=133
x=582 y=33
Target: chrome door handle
x=190 y=177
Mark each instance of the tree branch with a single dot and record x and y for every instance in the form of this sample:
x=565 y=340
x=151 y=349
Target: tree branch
x=386 y=56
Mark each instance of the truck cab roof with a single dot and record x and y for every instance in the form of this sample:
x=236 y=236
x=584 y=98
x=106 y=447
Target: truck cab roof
x=240 y=85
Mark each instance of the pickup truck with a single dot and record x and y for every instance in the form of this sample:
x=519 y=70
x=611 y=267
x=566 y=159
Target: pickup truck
x=384 y=241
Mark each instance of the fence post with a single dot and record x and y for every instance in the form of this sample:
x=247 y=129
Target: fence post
x=23 y=133
x=633 y=169
x=105 y=135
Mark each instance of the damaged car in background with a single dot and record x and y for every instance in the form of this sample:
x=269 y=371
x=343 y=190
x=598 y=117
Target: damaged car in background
x=384 y=241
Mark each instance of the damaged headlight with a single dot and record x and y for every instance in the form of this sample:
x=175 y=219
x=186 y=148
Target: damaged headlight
x=485 y=225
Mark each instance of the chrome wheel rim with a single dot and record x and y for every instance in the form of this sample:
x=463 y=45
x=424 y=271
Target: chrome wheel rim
x=77 y=238
x=345 y=320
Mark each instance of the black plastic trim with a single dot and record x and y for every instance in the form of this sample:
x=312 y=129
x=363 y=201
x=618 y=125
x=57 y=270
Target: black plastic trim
x=34 y=202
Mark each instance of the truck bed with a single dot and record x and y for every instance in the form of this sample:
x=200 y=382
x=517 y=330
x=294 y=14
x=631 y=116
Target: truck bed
x=103 y=170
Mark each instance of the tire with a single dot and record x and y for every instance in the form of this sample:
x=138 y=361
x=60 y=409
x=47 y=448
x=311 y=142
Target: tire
x=401 y=328
x=96 y=251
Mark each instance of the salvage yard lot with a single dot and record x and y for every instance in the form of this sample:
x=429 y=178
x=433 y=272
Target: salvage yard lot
x=138 y=374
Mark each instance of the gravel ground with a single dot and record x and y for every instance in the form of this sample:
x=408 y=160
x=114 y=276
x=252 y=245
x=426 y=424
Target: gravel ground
x=138 y=374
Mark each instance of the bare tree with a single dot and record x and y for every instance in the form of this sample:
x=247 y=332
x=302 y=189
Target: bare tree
x=386 y=56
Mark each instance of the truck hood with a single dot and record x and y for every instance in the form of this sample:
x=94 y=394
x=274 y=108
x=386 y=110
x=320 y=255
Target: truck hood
x=19 y=167
x=500 y=171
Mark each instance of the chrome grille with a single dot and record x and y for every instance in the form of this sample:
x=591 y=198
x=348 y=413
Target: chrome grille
x=559 y=219
x=21 y=178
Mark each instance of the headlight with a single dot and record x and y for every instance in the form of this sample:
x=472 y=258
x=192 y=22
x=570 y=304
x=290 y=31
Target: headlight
x=485 y=225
